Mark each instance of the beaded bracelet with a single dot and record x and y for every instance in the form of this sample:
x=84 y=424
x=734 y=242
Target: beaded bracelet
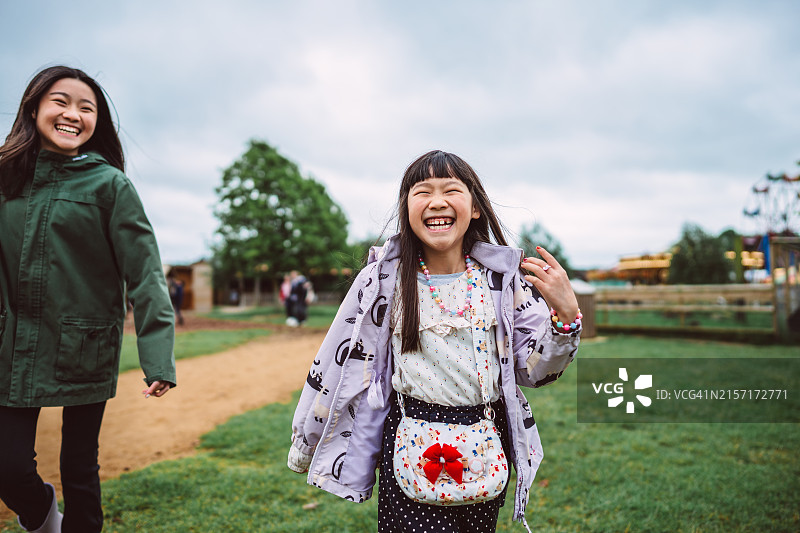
x=566 y=327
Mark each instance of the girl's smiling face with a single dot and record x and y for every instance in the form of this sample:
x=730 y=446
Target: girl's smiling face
x=66 y=116
x=440 y=211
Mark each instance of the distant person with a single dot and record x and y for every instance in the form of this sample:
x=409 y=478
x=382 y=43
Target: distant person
x=311 y=296
x=74 y=238
x=283 y=295
x=176 y=296
x=442 y=325
x=298 y=305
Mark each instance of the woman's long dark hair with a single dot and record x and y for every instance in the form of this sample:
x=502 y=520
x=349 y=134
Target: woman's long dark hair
x=18 y=154
x=436 y=164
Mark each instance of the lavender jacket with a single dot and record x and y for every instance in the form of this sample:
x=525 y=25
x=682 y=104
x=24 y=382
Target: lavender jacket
x=338 y=424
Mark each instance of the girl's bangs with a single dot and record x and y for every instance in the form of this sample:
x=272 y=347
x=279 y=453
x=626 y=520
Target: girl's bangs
x=437 y=165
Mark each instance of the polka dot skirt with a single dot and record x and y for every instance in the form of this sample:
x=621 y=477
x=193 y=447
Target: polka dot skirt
x=399 y=514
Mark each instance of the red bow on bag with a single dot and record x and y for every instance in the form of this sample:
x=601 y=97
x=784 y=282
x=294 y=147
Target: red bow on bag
x=442 y=456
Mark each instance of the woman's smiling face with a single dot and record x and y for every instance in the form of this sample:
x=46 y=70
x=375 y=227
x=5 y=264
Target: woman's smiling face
x=66 y=116
x=440 y=211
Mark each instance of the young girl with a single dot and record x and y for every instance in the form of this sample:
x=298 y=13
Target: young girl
x=390 y=336
x=74 y=240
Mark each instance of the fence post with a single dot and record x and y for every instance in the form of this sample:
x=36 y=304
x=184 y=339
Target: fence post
x=776 y=322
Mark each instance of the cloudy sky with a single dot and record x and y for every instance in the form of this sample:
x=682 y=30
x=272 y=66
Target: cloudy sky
x=612 y=123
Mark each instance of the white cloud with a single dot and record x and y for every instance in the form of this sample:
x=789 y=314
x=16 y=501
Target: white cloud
x=181 y=219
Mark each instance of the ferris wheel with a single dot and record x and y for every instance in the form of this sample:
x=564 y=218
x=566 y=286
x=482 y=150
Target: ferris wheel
x=774 y=205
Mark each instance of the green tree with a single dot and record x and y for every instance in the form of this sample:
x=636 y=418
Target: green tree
x=732 y=242
x=273 y=219
x=728 y=239
x=699 y=257
x=537 y=235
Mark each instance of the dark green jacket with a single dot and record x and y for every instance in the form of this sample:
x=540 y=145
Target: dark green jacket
x=70 y=246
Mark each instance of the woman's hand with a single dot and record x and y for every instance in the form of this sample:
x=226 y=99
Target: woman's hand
x=157 y=389
x=552 y=281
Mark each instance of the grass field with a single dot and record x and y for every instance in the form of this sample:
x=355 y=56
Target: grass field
x=720 y=319
x=191 y=344
x=595 y=477
x=319 y=315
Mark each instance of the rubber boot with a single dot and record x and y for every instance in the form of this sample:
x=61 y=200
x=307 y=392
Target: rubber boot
x=52 y=524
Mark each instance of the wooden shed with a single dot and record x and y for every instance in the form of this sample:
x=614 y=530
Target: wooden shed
x=197 y=287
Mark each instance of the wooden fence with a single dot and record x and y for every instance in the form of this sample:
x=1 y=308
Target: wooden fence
x=685 y=303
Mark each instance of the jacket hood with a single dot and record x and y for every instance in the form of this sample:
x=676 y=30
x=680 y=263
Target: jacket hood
x=388 y=251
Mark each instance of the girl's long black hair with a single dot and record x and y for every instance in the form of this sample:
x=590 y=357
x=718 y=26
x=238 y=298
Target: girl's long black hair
x=18 y=154
x=436 y=164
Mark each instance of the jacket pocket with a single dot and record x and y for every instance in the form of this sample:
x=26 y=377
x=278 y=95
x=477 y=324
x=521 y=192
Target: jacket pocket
x=88 y=198
x=86 y=350
x=78 y=217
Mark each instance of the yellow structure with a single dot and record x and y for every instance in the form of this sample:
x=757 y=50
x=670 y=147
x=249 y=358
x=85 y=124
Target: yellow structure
x=653 y=269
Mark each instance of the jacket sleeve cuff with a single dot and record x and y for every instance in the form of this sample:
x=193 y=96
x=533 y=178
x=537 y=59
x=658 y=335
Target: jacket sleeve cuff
x=298 y=461
x=151 y=379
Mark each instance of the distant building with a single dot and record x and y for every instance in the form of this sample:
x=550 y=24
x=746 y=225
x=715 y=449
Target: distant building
x=197 y=289
x=650 y=269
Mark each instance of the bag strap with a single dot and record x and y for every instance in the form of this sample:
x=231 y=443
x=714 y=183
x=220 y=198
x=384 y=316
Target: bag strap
x=479 y=346
x=402 y=405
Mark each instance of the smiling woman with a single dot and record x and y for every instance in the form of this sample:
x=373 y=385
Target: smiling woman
x=64 y=197
x=66 y=116
x=22 y=146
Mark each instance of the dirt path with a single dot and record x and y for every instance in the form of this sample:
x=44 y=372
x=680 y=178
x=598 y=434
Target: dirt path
x=137 y=432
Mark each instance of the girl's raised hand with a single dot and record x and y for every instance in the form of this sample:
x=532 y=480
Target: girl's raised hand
x=157 y=389
x=552 y=281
